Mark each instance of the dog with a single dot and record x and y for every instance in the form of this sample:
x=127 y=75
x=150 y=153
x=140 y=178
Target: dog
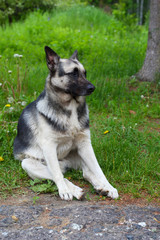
x=53 y=131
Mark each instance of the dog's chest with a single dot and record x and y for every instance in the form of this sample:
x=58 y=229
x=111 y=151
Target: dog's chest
x=67 y=140
x=62 y=128
x=73 y=123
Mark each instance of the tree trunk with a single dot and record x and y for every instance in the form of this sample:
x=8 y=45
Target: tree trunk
x=141 y=12
x=151 y=68
x=137 y=12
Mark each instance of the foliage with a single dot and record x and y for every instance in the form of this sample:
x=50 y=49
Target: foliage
x=116 y=46
x=41 y=186
x=128 y=11
x=111 y=53
x=120 y=13
x=16 y=9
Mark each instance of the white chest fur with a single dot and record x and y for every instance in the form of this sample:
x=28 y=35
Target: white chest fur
x=64 y=140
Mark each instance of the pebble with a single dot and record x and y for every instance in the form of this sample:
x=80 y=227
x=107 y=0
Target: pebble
x=76 y=226
x=130 y=237
x=142 y=224
x=4 y=234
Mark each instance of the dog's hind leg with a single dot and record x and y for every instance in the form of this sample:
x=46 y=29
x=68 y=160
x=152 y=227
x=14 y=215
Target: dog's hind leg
x=36 y=169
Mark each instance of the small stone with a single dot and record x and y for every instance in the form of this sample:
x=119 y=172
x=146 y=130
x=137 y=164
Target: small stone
x=154 y=229
x=99 y=234
x=97 y=230
x=40 y=227
x=4 y=234
x=142 y=224
x=130 y=237
x=75 y=226
x=14 y=218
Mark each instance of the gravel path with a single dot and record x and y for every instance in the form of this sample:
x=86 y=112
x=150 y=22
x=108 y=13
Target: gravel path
x=77 y=220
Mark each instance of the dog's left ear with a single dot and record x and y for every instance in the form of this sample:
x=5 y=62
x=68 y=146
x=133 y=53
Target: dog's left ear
x=74 y=55
x=52 y=58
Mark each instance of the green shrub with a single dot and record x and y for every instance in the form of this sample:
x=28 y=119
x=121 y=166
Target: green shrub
x=16 y=9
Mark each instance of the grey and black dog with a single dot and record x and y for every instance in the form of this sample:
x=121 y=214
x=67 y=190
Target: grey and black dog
x=53 y=131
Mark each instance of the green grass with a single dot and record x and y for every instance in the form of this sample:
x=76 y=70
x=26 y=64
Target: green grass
x=111 y=52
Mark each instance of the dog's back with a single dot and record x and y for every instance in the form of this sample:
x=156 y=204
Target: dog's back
x=26 y=130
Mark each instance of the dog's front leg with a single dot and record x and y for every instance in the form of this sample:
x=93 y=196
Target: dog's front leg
x=50 y=155
x=92 y=170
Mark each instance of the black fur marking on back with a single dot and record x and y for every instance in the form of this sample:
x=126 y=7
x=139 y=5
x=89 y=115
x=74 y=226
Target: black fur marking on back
x=24 y=136
x=41 y=96
x=57 y=126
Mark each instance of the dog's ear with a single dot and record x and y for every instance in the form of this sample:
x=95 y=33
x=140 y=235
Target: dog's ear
x=74 y=55
x=52 y=58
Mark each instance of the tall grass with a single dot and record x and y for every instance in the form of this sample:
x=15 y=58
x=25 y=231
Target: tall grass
x=106 y=47
x=111 y=53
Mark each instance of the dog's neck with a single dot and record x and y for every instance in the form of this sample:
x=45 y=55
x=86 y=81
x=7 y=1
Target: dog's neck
x=61 y=96
x=64 y=99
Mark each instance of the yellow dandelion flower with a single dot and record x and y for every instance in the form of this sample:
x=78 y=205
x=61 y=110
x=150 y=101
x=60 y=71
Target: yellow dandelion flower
x=106 y=132
x=8 y=105
x=1 y=159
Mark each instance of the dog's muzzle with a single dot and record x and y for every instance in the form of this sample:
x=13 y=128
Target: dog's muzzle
x=90 y=88
x=83 y=89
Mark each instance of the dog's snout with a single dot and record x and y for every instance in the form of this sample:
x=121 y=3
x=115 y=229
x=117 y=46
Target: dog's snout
x=90 y=88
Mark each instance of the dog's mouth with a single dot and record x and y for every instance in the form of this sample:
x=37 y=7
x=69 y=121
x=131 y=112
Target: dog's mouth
x=79 y=90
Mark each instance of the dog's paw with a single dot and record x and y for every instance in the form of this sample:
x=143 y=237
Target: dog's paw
x=75 y=190
x=108 y=191
x=66 y=196
x=78 y=192
x=113 y=193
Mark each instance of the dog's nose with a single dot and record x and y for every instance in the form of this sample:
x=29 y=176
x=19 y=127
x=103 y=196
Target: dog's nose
x=90 y=88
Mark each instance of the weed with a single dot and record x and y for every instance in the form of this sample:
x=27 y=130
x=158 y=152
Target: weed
x=35 y=198
x=87 y=197
x=41 y=186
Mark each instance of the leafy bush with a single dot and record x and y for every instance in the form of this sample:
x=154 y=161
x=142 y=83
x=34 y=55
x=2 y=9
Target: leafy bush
x=120 y=13
x=16 y=9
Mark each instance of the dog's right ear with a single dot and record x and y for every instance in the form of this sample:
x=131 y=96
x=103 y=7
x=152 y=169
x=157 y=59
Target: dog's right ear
x=52 y=58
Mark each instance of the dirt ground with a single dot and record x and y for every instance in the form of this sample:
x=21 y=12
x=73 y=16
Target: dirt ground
x=45 y=216
x=42 y=199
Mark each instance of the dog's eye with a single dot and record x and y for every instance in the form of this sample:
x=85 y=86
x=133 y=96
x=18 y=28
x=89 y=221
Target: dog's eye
x=75 y=72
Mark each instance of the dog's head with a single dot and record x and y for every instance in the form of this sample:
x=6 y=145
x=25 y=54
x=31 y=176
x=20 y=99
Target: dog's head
x=68 y=75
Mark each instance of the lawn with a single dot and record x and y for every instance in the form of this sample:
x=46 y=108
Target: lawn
x=111 y=53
